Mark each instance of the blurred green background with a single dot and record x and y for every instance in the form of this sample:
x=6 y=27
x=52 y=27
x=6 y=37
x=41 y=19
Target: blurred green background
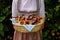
x=51 y=30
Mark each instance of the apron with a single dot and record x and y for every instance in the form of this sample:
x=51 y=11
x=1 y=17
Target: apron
x=28 y=6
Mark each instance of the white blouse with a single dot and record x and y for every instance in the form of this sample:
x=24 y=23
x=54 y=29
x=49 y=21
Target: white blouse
x=27 y=5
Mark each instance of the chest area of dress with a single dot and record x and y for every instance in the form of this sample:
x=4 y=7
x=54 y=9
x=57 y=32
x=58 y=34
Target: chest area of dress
x=27 y=3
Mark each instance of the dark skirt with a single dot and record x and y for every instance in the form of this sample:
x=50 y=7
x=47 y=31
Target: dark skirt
x=27 y=36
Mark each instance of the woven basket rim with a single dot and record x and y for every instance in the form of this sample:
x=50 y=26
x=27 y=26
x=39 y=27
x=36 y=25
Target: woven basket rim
x=17 y=24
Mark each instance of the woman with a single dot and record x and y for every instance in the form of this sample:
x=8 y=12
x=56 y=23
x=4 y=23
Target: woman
x=26 y=7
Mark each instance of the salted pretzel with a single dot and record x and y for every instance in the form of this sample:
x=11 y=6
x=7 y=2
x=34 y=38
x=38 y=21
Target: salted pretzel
x=27 y=21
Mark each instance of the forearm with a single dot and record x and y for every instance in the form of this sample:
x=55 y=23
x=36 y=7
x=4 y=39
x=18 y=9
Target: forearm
x=42 y=11
x=42 y=8
x=14 y=9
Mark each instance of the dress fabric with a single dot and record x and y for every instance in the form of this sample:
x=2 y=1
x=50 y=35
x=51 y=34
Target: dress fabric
x=31 y=35
x=27 y=36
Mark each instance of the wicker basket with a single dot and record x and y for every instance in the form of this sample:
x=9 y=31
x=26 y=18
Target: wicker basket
x=20 y=28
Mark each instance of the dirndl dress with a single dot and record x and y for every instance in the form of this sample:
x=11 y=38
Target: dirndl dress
x=27 y=5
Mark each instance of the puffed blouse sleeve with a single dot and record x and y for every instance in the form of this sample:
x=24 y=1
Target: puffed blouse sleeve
x=41 y=8
x=14 y=8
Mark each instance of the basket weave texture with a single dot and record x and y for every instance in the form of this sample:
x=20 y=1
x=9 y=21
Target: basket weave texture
x=20 y=28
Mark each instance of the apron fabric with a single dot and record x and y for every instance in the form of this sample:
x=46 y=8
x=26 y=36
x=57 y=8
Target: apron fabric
x=27 y=5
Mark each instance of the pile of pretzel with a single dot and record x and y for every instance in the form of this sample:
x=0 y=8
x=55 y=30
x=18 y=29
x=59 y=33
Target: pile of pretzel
x=31 y=19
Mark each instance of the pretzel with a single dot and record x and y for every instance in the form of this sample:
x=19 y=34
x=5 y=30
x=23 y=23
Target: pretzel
x=26 y=21
x=30 y=16
x=16 y=18
x=31 y=19
x=21 y=19
x=39 y=18
x=21 y=22
x=34 y=20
